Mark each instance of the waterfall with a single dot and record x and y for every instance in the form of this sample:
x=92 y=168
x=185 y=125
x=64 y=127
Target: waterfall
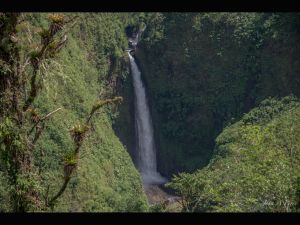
x=146 y=152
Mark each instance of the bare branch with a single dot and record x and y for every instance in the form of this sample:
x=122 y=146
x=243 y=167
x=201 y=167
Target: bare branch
x=72 y=19
x=26 y=63
x=49 y=114
x=43 y=118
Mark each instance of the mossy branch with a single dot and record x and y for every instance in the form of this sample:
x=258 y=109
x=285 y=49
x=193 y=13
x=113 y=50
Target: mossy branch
x=59 y=193
x=101 y=103
x=78 y=133
x=47 y=38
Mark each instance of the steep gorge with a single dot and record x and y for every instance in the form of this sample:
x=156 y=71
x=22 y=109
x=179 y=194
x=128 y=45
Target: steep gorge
x=186 y=92
x=203 y=71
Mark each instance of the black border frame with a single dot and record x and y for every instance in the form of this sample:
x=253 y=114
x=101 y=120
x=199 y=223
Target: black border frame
x=141 y=6
x=149 y=5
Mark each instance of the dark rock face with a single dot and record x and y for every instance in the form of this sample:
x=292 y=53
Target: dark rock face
x=156 y=195
x=130 y=31
x=133 y=34
x=132 y=52
x=132 y=44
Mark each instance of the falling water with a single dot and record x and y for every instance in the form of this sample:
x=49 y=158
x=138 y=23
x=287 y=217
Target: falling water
x=146 y=152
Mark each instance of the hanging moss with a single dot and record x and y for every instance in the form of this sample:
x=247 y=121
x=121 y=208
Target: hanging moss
x=34 y=115
x=70 y=159
x=44 y=33
x=101 y=103
x=56 y=18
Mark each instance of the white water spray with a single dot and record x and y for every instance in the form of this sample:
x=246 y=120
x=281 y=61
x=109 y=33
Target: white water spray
x=146 y=151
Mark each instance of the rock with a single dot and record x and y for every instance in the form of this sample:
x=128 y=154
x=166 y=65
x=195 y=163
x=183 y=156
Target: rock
x=132 y=52
x=156 y=195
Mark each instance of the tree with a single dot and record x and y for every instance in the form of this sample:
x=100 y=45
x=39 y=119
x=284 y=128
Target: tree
x=255 y=166
x=21 y=76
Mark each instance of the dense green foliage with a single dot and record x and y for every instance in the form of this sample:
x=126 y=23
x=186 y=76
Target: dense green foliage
x=87 y=69
x=204 y=70
x=255 y=167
